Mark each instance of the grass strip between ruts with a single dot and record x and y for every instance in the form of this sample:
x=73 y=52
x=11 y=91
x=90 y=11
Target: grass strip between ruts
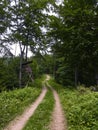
x=42 y=116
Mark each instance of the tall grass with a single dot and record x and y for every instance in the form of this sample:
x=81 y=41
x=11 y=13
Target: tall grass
x=14 y=102
x=81 y=108
x=42 y=116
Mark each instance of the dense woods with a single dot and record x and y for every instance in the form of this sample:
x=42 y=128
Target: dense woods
x=76 y=46
x=61 y=35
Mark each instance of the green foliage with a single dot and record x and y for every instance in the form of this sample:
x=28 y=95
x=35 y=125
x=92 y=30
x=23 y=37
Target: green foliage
x=82 y=113
x=14 y=102
x=74 y=32
x=9 y=71
x=42 y=116
x=28 y=31
x=42 y=64
x=46 y=65
x=38 y=81
x=4 y=16
x=64 y=74
x=35 y=68
x=80 y=107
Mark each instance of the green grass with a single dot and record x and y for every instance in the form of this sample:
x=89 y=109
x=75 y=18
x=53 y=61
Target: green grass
x=14 y=102
x=42 y=116
x=80 y=107
x=38 y=82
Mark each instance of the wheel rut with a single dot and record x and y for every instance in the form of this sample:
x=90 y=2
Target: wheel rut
x=19 y=122
x=58 y=121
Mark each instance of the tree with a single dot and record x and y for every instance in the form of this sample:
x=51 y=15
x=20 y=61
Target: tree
x=4 y=25
x=27 y=20
x=73 y=28
x=9 y=70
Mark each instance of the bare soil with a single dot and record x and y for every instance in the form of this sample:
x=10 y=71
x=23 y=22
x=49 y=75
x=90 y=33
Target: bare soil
x=19 y=122
x=58 y=120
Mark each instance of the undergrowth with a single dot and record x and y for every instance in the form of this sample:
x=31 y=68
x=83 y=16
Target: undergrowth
x=80 y=106
x=14 y=102
x=42 y=116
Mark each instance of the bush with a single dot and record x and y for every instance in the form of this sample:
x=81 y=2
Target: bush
x=81 y=109
x=13 y=103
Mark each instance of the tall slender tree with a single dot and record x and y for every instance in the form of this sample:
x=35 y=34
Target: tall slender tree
x=27 y=20
x=74 y=30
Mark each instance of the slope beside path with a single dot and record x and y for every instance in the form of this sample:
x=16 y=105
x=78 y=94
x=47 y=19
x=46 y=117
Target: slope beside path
x=19 y=122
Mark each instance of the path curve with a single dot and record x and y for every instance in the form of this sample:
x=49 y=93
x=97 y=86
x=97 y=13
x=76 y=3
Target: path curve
x=19 y=122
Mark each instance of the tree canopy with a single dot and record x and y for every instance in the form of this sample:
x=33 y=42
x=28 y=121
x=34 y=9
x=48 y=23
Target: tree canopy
x=71 y=30
x=75 y=32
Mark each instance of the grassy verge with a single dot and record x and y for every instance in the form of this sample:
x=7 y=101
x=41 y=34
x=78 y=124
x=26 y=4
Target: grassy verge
x=38 y=82
x=42 y=116
x=14 y=102
x=81 y=107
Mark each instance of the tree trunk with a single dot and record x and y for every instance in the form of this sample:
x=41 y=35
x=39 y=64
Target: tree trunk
x=21 y=61
x=26 y=53
x=76 y=76
x=54 y=64
x=96 y=78
x=20 y=70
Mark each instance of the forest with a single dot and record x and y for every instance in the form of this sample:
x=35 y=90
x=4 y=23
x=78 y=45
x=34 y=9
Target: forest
x=62 y=36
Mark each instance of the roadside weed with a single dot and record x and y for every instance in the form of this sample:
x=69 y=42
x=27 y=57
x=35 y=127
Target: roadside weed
x=81 y=109
x=42 y=116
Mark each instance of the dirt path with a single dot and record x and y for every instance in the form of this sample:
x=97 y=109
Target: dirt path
x=58 y=120
x=20 y=122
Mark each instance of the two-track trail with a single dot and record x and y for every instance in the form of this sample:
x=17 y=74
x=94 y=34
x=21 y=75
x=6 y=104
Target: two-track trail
x=19 y=122
x=58 y=121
